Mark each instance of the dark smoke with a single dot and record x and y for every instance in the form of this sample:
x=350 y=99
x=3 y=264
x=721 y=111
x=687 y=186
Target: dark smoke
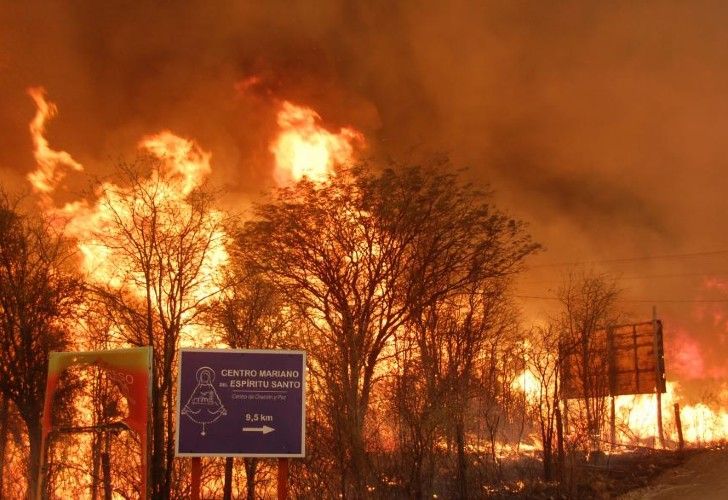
x=600 y=123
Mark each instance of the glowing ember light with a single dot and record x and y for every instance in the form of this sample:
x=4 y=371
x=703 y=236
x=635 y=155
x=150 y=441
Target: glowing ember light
x=48 y=175
x=305 y=149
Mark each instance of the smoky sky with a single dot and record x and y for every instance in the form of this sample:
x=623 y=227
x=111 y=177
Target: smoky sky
x=601 y=124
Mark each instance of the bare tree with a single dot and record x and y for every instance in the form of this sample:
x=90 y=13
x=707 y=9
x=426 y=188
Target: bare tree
x=15 y=480
x=497 y=368
x=416 y=403
x=451 y=344
x=38 y=296
x=336 y=264
x=462 y=251
x=4 y=424
x=249 y=313
x=363 y=254
x=162 y=246
x=588 y=307
x=543 y=363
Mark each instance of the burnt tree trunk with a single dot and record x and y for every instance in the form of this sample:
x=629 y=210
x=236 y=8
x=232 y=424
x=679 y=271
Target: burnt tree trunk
x=462 y=463
x=169 y=422
x=157 y=479
x=4 y=417
x=547 y=461
x=96 y=461
x=33 y=468
x=106 y=466
x=227 y=487
x=251 y=465
x=559 y=441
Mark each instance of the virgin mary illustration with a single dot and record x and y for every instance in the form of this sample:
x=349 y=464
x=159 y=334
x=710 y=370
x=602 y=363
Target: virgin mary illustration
x=204 y=406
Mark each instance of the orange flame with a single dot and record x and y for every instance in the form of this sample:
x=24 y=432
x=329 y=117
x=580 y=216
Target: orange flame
x=636 y=416
x=529 y=385
x=186 y=164
x=48 y=175
x=701 y=423
x=183 y=167
x=305 y=149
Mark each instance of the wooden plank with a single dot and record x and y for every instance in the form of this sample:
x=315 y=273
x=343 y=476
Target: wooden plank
x=624 y=358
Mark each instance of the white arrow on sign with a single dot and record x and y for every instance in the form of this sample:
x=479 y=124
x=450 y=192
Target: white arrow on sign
x=265 y=429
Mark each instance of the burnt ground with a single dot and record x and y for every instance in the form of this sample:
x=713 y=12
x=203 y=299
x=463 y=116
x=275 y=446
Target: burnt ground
x=643 y=473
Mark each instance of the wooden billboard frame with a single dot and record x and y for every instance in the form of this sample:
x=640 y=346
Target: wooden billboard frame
x=635 y=362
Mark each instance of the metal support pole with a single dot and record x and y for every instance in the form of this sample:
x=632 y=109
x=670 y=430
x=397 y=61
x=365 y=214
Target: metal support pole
x=559 y=442
x=678 y=424
x=612 y=423
x=282 y=479
x=106 y=465
x=196 y=477
x=658 y=377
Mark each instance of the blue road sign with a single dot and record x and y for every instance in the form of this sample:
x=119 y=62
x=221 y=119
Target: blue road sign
x=241 y=403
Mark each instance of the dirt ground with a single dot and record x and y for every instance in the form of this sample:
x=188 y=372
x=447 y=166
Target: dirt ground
x=702 y=476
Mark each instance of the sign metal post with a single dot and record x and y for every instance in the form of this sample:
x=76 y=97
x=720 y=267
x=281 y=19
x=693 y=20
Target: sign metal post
x=196 y=477
x=282 y=479
x=241 y=403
